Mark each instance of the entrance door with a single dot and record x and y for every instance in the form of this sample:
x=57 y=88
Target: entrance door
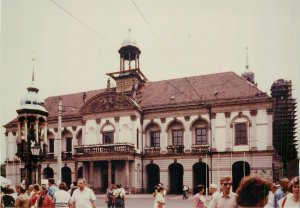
x=200 y=175
x=240 y=169
x=175 y=178
x=153 y=177
x=66 y=176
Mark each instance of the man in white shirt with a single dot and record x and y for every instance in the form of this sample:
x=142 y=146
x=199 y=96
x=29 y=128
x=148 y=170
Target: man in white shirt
x=83 y=197
x=226 y=199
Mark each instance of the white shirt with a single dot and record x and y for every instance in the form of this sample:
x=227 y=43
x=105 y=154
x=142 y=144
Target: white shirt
x=213 y=196
x=289 y=202
x=270 y=203
x=61 y=198
x=83 y=198
x=119 y=191
x=221 y=201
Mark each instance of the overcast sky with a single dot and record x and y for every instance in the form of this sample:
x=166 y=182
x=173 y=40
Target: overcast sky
x=75 y=42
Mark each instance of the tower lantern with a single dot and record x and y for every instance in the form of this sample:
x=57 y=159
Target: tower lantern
x=129 y=77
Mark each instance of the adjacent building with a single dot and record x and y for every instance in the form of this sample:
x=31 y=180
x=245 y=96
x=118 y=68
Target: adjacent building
x=284 y=122
x=190 y=130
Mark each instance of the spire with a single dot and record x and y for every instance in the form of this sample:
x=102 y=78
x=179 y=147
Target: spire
x=248 y=74
x=247 y=64
x=32 y=87
x=32 y=70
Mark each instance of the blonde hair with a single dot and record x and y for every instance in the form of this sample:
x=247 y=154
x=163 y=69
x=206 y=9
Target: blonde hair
x=225 y=178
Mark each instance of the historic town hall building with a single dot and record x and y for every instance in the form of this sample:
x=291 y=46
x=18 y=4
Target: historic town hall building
x=190 y=130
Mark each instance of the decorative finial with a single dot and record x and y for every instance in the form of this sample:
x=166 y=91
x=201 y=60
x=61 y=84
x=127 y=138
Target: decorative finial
x=33 y=70
x=247 y=64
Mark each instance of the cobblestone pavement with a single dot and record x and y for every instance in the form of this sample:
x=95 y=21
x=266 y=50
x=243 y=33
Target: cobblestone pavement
x=146 y=201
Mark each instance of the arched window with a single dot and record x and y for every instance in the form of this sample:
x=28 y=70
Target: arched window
x=200 y=130
x=107 y=134
x=153 y=135
x=241 y=125
x=175 y=133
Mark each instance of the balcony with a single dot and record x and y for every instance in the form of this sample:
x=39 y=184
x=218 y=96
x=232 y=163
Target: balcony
x=104 y=148
x=197 y=148
x=175 y=149
x=65 y=155
x=152 y=150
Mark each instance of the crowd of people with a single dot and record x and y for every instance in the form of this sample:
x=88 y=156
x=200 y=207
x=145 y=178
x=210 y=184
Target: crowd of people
x=253 y=191
x=36 y=196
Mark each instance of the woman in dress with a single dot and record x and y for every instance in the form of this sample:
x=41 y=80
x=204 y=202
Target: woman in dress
x=199 y=200
x=160 y=198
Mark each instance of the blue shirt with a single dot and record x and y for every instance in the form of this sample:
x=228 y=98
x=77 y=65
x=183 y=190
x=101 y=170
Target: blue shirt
x=280 y=193
x=52 y=189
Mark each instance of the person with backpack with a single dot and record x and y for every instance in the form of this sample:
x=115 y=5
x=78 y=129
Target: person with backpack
x=109 y=196
x=119 y=196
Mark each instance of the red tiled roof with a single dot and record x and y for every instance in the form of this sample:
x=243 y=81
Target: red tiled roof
x=188 y=90
x=212 y=87
x=71 y=102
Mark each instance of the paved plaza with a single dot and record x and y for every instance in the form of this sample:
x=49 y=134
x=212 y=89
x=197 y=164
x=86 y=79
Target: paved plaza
x=146 y=201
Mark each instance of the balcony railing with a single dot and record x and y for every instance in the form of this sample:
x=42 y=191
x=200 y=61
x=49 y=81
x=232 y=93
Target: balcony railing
x=104 y=148
x=196 y=148
x=175 y=149
x=50 y=156
x=152 y=150
x=65 y=155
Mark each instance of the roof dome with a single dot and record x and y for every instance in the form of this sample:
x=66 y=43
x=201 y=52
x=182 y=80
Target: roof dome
x=32 y=102
x=129 y=41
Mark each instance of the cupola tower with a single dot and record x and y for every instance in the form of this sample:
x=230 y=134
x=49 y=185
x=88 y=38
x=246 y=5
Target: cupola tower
x=129 y=77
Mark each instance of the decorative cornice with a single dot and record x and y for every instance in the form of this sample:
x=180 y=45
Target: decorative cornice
x=187 y=118
x=117 y=119
x=98 y=120
x=213 y=115
x=227 y=114
x=253 y=112
x=163 y=120
x=133 y=117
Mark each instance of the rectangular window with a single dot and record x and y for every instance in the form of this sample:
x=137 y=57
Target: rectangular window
x=69 y=144
x=177 y=137
x=51 y=145
x=240 y=134
x=201 y=136
x=108 y=137
x=155 y=139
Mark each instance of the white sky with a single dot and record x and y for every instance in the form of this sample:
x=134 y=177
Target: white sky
x=179 y=38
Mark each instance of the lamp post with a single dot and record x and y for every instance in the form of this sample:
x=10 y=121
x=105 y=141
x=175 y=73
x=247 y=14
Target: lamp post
x=32 y=153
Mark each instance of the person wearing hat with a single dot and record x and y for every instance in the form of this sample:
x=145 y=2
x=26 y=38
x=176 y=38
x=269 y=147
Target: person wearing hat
x=213 y=191
x=23 y=199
